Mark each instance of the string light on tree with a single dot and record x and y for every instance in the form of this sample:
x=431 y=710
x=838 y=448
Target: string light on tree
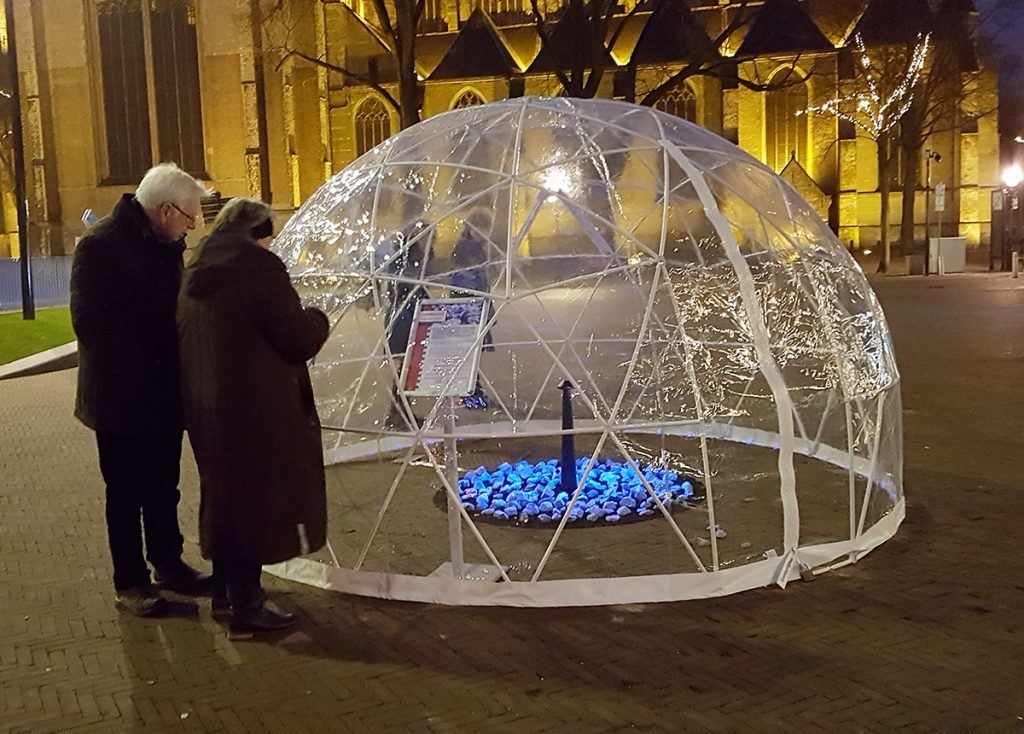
x=876 y=111
x=866 y=109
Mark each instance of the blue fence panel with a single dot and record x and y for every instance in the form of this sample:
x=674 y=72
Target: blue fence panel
x=51 y=277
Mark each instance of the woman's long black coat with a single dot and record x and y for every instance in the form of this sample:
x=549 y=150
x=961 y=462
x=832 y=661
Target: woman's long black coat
x=244 y=340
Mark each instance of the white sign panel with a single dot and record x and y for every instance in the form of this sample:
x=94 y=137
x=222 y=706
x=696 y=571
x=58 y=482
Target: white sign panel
x=997 y=200
x=940 y=197
x=444 y=347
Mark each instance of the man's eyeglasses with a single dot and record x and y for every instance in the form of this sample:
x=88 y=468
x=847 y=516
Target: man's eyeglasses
x=189 y=217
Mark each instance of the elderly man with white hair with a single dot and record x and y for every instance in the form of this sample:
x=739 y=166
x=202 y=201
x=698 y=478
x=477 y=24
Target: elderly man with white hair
x=124 y=286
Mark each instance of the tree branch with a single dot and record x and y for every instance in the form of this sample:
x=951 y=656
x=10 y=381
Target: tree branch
x=615 y=35
x=540 y=23
x=381 y=10
x=376 y=86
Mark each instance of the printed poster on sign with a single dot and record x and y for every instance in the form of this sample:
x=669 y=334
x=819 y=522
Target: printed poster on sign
x=444 y=347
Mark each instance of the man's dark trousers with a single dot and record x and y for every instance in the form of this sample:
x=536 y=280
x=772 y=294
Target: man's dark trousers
x=141 y=473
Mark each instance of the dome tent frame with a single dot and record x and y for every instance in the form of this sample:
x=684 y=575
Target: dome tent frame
x=608 y=421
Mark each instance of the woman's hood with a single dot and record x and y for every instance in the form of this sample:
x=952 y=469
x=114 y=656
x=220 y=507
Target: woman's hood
x=224 y=259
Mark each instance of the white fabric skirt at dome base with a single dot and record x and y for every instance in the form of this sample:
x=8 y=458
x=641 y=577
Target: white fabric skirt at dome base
x=591 y=592
x=778 y=570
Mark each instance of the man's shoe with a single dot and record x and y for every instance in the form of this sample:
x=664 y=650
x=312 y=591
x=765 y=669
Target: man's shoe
x=142 y=601
x=266 y=618
x=183 y=579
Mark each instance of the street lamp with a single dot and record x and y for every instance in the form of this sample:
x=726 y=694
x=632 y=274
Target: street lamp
x=1012 y=176
x=1006 y=217
x=929 y=156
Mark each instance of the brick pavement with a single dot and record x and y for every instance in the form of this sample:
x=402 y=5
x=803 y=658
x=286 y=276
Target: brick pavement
x=925 y=634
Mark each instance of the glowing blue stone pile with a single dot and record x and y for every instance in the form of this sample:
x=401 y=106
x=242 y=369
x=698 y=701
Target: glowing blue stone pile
x=526 y=492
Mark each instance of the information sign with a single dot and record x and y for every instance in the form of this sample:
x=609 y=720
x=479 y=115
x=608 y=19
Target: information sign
x=444 y=347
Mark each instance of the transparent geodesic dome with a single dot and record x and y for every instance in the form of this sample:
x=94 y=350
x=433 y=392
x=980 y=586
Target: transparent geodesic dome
x=709 y=323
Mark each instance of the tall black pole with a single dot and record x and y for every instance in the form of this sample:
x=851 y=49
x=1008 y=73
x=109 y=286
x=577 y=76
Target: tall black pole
x=259 y=84
x=28 y=302
x=568 y=447
x=927 y=209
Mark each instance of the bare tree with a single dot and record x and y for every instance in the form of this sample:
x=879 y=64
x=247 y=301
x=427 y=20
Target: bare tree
x=594 y=29
x=884 y=90
x=585 y=50
x=707 y=60
x=948 y=96
x=395 y=26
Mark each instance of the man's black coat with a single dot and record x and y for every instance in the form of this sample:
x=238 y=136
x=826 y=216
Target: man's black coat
x=124 y=288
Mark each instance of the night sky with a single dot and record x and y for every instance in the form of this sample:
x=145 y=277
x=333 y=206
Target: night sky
x=1001 y=20
x=1002 y=27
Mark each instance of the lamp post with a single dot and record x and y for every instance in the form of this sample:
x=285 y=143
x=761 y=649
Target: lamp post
x=1012 y=177
x=28 y=305
x=929 y=156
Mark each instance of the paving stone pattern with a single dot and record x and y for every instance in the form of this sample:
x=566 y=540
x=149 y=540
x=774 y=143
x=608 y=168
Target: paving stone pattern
x=925 y=634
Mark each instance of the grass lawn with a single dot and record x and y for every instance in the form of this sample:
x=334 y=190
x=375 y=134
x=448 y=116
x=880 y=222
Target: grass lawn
x=20 y=338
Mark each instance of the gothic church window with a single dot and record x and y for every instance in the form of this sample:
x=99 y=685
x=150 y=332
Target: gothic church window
x=432 y=20
x=373 y=125
x=785 y=130
x=681 y=102
x=468 y=98
x=149 y=86
x=496 y=7
x=510 y=11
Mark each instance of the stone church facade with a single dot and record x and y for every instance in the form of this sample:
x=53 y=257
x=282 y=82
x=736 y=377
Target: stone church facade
x=110 y=87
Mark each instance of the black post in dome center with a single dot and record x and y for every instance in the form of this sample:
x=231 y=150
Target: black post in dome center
x=568 y=446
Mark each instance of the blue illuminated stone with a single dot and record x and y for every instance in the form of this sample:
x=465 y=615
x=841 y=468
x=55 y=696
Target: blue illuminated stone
x=525 y=492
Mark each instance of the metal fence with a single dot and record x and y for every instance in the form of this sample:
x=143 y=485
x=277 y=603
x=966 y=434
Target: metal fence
x=50 y=279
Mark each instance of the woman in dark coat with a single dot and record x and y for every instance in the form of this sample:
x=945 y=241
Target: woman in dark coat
x=407 y=269
x=469 y=279
x=409 y=264
x=244 y=341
